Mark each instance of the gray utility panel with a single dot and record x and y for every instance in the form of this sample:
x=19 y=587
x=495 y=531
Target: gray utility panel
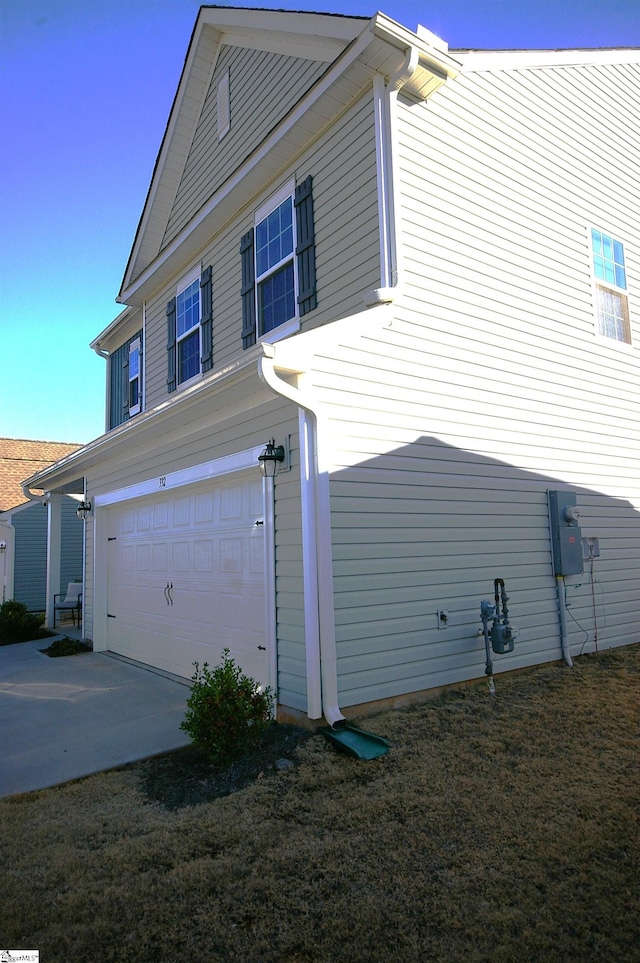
x=566 y=536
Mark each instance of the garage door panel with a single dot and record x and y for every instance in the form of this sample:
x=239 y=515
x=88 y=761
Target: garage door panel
x=205 y=545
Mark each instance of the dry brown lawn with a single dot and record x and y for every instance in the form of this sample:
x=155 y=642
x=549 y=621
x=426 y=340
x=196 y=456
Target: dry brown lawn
x=495 y=830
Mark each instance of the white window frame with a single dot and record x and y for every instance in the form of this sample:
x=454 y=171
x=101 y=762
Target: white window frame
x=133 y=347
x=601 y=285
x=182 y=285
x=292 y=324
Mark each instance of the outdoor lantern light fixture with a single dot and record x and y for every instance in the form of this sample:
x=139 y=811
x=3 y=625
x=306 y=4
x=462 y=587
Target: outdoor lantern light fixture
x=3 y=546
x=271 y=459
x=83 y=510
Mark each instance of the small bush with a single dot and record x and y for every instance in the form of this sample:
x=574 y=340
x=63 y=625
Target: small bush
x=226 y=711
x=17 y=624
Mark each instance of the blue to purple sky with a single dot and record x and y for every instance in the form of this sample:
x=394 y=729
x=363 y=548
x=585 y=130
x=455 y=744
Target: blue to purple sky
x=85 y=92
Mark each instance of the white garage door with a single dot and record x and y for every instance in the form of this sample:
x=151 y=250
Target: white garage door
x=186 y=578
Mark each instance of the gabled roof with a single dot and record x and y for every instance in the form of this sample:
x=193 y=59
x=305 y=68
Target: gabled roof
x=320 y=37
x=19 y=459
x=353 y=48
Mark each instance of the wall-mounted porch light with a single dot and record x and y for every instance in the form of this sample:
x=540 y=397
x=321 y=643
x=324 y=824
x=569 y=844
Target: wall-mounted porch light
x=83 y=510
x=3 y=545
x=271 y=459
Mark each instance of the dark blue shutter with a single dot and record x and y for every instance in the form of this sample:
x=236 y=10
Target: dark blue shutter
x=248 y=290
x=206 y=320
x=305 y=248
x=171 y=345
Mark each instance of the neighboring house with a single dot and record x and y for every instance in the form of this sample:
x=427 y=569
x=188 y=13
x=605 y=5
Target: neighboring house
x=418 y=271
x=24 y=525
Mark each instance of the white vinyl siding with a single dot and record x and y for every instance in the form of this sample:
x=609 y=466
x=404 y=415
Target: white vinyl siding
x=489 y=388
x=438 y=486
x=263 y=87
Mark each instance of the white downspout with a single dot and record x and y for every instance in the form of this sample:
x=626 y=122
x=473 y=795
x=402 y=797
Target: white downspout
x=385 y=110
x=315 y=487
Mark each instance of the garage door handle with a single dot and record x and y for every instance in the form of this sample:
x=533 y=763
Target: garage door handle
x=262 y=648
x=167 y=593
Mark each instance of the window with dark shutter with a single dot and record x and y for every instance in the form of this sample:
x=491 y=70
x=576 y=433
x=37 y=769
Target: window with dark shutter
x=248 y=290
x=206 y=320
x=305 y=247
x=121 y=377
x=279 y=264
x=171 y=345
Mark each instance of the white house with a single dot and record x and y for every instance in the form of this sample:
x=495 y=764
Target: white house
x=418 y=271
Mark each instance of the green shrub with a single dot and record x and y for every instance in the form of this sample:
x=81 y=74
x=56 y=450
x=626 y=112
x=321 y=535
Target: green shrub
x=17 y=624
x=226 y=711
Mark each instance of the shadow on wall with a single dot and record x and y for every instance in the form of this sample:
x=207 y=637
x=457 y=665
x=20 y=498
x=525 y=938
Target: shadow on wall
x=426 y=528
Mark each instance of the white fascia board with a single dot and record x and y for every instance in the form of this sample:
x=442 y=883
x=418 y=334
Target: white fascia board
x=75 y=464
x=116 y=328
x=216 y=468
x=241 y=19
x=190 y=96
x=479 y=60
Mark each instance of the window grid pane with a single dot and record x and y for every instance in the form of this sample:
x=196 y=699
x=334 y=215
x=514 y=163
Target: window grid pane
x=188 y=308
x=274 y=238
x=189 y=357
x=276 y=299
x=608 y=259
x=134 y=364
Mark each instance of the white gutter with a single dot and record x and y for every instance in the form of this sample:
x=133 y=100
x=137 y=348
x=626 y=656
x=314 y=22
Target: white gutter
x=320 y=628
x=29 y=494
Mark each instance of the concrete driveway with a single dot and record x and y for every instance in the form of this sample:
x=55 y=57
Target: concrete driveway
x=64 y=718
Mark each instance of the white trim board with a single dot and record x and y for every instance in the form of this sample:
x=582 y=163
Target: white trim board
x=238 y=461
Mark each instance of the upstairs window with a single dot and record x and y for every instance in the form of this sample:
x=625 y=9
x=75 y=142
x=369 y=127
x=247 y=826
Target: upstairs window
x=612 y=306
x=125 y=381
x=278 y=265
x=190 y=329
x=275 y=270
x=134 y=387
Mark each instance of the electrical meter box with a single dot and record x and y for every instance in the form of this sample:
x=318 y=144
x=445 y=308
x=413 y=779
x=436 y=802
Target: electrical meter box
x=566 y=536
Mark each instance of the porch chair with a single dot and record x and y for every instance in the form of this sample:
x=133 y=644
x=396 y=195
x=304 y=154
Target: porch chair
x=72 y=602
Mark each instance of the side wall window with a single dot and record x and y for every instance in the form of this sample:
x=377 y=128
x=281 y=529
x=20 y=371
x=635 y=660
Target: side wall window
x=125 y=381
x=134 y=385
x=190 y=329
x=278 y=264
x=612 y=305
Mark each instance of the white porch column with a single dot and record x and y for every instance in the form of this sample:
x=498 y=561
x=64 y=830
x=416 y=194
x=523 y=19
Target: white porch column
x=54 y=548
